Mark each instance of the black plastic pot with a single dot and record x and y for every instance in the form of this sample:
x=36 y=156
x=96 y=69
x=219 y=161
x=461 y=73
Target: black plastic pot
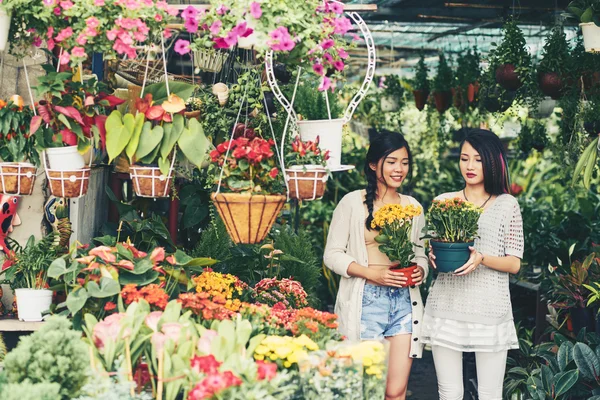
x=281 y=73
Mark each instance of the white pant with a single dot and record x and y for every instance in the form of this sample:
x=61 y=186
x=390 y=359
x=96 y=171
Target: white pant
x=449 y=371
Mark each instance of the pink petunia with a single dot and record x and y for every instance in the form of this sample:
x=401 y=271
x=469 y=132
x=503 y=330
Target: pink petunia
x=222 y=9
x=50 y=43
x=64 y=34
x=132 y=5
x=50 y=32
x=158 y=18
x=287 y=45
x=57 y=11
x=99 y=3
x=92 y=22
x=337 y=8
x=325 y=84
x=255 y=10
x=66 y=4
x=318 y=68
x=191 y=25
x=65 y=58
x=78 y=52
x=81 y=40
x=167 y=33
x=339 y=65
x=37 y=41
x=112 y=34
x=215 y=27
x=91 y=32
x=342 y=25
x=49 y=3
x=342 y=53
x=189 y=13
x=326 y=44
x=328 y=58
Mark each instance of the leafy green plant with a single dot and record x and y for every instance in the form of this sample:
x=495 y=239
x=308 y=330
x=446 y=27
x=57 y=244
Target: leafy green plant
x=452 y=220
x=444 y=79
x=421 y=81
x=54 y=354
x=29 y=265
x=28 y=390
x=17 y=144
x=555 y=55
x=533 y=136
x=513 y=47
x=585 y=10
x=2 y=348
x=392 y=86
x=310 y=104
x=214 y=241
x=468 y=69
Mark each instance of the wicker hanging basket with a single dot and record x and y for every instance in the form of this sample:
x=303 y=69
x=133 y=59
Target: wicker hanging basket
x=210 y=60
x=17 y=178
x=150 y=181
x=70 y=184
x=248 y=218
x=306 y=182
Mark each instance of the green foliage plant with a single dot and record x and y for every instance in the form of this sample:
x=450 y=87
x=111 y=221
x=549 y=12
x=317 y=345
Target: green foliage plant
x=16 y=143
x=468 y=70
x=29 y=265
x=585 y=11
x=393 y=87
x=513 y=48
x=556 y=53
x=452 y=221
x=28 y=390
x=310 y=104
x=444 y=79
x=421 y=81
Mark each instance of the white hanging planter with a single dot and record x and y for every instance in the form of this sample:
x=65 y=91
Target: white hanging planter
x=65 y=158
x=591 y=37
x=5 y=19
x=31 y=303
x=210 y=60
x=306 y=182
x=329 y=132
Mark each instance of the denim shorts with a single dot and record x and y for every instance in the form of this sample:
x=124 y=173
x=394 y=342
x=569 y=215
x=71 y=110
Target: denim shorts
x=386 y=312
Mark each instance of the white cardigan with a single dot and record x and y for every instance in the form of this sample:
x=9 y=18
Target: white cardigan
x=346 y=244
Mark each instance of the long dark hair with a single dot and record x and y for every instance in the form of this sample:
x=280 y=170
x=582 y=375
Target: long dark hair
x=496 y=179
x=385 y=143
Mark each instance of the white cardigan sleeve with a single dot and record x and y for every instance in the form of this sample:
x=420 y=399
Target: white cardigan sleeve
x=335 y=256
x=420 y=258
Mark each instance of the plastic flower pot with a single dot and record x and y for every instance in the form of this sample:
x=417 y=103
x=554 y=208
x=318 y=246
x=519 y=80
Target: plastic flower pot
x=591 y=37
x=248 y=218
x=472 y=91
x=65 y=158
x=31 y=303
x=420 y=98
x=406 y=272
x=551 y=84
x=442 y=100
x=17 y=178
x=306 y=182
x=507 y=77
x=450 y=256
x=329 y=132
x=5 y=19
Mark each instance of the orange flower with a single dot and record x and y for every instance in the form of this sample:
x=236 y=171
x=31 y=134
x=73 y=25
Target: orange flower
x=105 y=253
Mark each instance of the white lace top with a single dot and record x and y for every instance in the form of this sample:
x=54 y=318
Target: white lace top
x=474 y=311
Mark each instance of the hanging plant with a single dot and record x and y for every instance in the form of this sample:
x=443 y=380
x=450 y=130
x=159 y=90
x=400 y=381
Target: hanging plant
x=468 y=74
x=532 y=136
x=421 y=84
x=583 y=71
x=553 y=66
x=588 y=13
x=442 y=85
x=513 y=59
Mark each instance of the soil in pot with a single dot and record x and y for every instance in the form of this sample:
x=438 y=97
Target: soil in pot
x=442 y=100
x=450 y=256
x=406 y=272
x=507 y=77
x=551 y=84
x=420 y=98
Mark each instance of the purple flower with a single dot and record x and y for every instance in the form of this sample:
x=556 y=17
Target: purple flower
x=339 y=65
x=189 y=13
x=191 y=25
x=182 y=46
x=215 y=28
x=327 y=44
x=255 y=10
x=328 y=58
x=318 y=68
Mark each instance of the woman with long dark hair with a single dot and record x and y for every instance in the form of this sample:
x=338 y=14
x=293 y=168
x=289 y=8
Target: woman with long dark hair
x=373 y=301
x=470 y=310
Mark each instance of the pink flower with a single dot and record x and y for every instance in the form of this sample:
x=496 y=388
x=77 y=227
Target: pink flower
x=99 y=3
x=215 y=27
x=104 y=252
x=172 y=11
x=167 y=33
x=318 y=68
x=112 y=34
x=162 y=5
x=276 y=35
x=51 y=44
x=158 y=18
x=107 y=330
x=81 y=40
x=64 y=34
x=158 y=341
x=222 y=9
x=132 y=4
x=327 y=44
x=191 y=25
x=265 y=370
x=325 y=84
x=337 y=7
x=339 y=65
x=242 y=29
x=49 y=3
x=91 y=32
x=341 y=25
x=50 y=32
x=158 y=254
x=287 y=45
x=342 y=53
x=255 y=10
x=204 y=343
x=57 y=11
x=66 y=4
x=189 y=13
x=172 y=330
x=78 y=52
x=126 y=23
x=139 y=36
x=92 y=22
x=37 y=41
x=152 y=319
x=327 y=57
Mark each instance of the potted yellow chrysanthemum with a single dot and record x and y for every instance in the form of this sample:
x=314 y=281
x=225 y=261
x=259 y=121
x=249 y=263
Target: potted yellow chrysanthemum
x=394 y=223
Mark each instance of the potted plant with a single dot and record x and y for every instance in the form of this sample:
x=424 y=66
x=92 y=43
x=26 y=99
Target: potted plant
x=193 y=107
x=421 y=84
x=394 y=223
x=588 y=13
x=512 y=58
x=307 y=174
x=27 y=270
x=588 y=159
x=20 y=158
x=554 y=64
x=393 y=93
x=533 y=136
x=442 y=85
x=149 y=138
x=246 y=170
x=468 y=73
x=452 y=225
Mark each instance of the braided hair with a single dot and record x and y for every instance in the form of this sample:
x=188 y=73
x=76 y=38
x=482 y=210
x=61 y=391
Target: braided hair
x=384 y=143
x=496 y=178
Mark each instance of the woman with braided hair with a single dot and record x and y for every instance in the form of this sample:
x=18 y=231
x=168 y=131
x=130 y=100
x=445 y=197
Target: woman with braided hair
x=373 y=301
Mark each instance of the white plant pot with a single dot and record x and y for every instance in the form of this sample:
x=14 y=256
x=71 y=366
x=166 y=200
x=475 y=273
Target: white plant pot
x=329 y=132
x=31 y=303
x=389 y=104
x=591 y=37
x=65 y=158
x=545 y=108
x=247 y=42
x=4 y=28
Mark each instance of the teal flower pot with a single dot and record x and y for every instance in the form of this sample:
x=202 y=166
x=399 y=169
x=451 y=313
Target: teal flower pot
x=450 y=256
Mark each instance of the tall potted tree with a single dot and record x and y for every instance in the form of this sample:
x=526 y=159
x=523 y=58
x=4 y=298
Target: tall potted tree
x=442 y=85
x=554 y=64
x=513 y=59
x=421 y=84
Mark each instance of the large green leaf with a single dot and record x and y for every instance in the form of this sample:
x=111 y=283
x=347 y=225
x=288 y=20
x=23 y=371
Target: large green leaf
x=76 y=300
x=114 y=130
x=134 y=141
x=176 y=129
x=587 y=16
x=583 y=159
x=147 y=278
x=565 y=355
x=564 y=381
x=159 y=91
x=193 y=143
x=164 y=164
x=108 y=288
x=57 y=268
x=142 y=266
x=149 y=140
x=587 y=361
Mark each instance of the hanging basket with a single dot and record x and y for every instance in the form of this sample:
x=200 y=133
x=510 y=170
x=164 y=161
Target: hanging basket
x=150 y=181
x=306 y=182
x=329 y=132
x=17 y=178
x=248 y=218
x=210 y=60
x=70 y=184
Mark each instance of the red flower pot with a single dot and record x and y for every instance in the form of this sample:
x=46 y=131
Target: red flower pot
x=472 y=91
x=407 y=272
x=507 y=77
x=420 y=98
x=551 y=84
x=442 y=100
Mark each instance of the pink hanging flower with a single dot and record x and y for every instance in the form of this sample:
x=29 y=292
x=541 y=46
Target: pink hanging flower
x=49 y=3
x=167 y=33
x=318 y=68
x=191 y=25
x=66 y=4
x=222 y=9
x=91 y=32
x=342 y=53
x=341 y=25
x=37 y=41
x=92 y=22
x=339 y=65
x=215 y=27
x=326 y=44
x=255 y=10
x=337 y=8
x=51 y=44
x=189 y=13
x=81 y=39
x=325 y=84
x=78 y=52
x=99 y=3
x=112 y=34
x=57 y=11
x=64 y=34
x=158 y=18
x=132 y=5
x=327 y=57
x=50 y=32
